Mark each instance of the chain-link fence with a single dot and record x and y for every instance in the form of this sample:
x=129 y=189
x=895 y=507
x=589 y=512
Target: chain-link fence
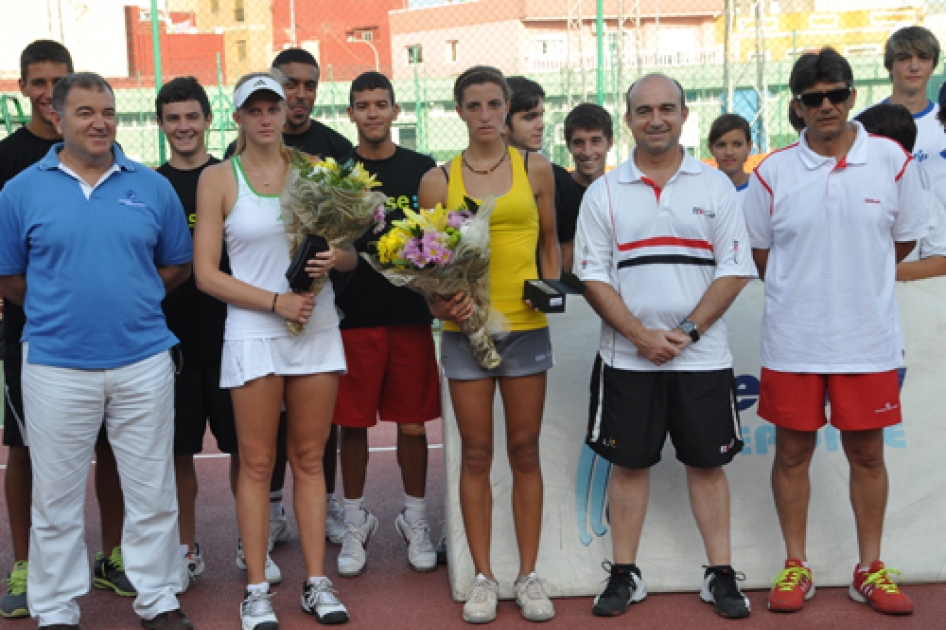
x=733 y=55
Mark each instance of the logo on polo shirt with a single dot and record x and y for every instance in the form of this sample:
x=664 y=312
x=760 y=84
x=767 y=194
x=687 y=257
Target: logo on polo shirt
x=871 y=200
x=131 y=199
x=920 y=155
x=942 y=153
x=706 y=213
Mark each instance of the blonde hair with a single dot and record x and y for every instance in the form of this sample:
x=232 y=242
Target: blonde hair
x=280 y=78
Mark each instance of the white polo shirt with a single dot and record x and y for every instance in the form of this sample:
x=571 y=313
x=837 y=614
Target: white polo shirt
x=934 y=242
x=830 y=229
x=930 y=147
x=661 y=249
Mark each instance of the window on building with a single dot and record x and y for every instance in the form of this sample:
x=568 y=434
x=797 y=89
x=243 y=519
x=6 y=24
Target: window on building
x=241 y=49
x=452 y=46
x=415 y=54
x=551 y=45
x=215 y=6
x=239 y=13
x=367 y=36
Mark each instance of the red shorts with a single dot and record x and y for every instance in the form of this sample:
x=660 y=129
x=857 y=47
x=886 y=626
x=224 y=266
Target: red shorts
x=392 y=375
x=859 y=402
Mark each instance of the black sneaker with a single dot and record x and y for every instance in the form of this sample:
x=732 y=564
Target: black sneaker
x=721 y=590
x=171 y=620
x=625 y=587
x=109 y=574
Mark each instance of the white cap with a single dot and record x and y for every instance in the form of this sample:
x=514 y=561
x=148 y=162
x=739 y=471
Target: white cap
x=255 y=85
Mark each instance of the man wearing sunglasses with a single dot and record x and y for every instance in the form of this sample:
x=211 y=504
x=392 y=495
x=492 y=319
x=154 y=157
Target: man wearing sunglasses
x=828 y=218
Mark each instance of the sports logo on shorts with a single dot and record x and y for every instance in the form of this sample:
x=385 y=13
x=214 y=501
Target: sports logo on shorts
x=725 y=448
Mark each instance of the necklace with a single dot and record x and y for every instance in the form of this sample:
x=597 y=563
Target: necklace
x=267 y=180
x=489 y=170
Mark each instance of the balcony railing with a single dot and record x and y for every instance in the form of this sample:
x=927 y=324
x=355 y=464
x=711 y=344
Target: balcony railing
x=649 y=58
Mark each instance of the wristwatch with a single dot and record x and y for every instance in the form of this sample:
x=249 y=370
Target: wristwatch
x=690 y=328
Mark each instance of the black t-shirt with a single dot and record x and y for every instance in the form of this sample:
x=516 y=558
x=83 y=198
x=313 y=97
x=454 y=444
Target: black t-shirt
x=18 y=151
x=567 y=200
x=318 y=140
x=194 y=317
x=366 y=298
x=581 y=193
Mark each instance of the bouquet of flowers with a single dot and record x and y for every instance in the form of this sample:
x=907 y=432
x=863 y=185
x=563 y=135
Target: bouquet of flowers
x=330 y=200
x=442 y=251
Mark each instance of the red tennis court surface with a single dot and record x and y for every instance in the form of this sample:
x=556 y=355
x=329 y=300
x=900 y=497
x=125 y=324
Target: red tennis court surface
x=391 y=596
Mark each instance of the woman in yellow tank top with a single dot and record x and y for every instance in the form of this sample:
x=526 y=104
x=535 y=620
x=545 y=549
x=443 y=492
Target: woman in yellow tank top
x=524 y=219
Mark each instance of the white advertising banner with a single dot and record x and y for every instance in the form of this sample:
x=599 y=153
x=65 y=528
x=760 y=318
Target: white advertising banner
x=576 y=532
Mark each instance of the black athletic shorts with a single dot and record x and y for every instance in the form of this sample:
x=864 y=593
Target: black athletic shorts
x=632 y=412
x=14 y=422
x=197 y=398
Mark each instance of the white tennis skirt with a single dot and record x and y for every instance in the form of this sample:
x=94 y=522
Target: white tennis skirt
x=245 y=360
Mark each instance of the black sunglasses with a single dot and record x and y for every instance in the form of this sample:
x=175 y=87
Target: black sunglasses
x=815 y=99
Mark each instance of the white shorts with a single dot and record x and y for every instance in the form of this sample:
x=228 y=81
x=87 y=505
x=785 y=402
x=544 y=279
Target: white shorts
x=245 y=360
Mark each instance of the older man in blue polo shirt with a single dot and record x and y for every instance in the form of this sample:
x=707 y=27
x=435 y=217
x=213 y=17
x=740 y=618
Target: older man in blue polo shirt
x=89 y=244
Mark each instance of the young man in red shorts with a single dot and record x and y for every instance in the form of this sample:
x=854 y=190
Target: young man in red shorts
x=392 y=367
x=828 y=219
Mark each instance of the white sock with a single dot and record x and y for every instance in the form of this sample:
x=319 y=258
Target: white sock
x=314 y=580
x=355 y=512
x=184 y=550
x=329 y=496
x=415 y=509
x=263 y=587
x=275 y=504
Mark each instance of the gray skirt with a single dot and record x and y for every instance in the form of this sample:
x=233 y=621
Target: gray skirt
x=523 y=353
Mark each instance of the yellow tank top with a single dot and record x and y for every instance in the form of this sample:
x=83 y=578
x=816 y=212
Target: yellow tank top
x=514 y=237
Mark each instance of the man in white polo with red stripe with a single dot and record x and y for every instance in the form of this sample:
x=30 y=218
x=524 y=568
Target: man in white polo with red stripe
x=663 y=250
x=829 y=218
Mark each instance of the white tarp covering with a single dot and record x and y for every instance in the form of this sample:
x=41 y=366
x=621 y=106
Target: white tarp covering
x=575 y=531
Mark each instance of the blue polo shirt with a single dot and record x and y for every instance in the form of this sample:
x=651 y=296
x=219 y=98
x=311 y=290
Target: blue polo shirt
x=93 y=297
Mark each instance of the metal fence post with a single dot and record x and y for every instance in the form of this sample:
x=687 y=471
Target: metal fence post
x=156 y=40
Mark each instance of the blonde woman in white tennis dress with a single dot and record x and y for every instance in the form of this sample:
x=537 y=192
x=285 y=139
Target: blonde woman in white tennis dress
x=263 y=365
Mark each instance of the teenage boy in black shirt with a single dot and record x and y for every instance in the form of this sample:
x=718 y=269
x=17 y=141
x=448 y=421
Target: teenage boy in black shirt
x=195 y=318
x=300 y=72
x=589 y=136
x=42 y=64
x=392 y=368
x=524 y=127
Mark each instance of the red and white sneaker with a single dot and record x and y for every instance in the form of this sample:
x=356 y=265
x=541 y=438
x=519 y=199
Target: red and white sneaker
x=791 y=588
x=876 y=587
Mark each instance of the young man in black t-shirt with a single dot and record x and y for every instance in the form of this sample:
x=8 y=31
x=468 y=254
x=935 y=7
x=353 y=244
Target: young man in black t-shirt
x=392 y=367
x=42 y=64
x=524 y=127
x=195 y=318
x=300 y=73
x=589 y=136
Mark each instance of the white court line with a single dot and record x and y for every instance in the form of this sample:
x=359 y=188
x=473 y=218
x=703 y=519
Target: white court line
x=377 y=449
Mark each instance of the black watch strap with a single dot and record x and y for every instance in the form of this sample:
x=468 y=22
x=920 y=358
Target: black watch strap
x=690 y=329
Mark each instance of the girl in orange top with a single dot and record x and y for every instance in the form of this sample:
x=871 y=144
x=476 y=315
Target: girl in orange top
x=524 y=218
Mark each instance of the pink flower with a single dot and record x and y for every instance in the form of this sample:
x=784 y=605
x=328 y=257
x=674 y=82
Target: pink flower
x=379 y=216
x=414 y=253
x=458 y=218
x=434 y=244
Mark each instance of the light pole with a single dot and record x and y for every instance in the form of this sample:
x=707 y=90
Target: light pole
x=357 y=40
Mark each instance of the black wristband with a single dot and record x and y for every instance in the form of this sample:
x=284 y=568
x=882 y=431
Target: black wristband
x=273 y=307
